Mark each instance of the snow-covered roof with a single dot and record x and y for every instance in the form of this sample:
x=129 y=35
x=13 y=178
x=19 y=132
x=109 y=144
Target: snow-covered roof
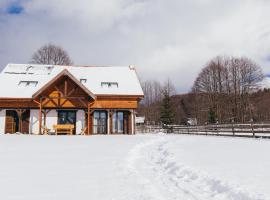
x=23 y=80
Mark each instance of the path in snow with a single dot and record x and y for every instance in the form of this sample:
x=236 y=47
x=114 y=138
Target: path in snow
x=160 y=176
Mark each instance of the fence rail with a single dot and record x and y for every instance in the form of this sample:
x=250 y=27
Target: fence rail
x=237 y=130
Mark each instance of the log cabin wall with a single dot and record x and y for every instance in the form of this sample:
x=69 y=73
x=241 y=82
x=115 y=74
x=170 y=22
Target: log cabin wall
x=17 y=121
x=31 y=124
x=108 y=103
x=11 y=124
x=25 y=122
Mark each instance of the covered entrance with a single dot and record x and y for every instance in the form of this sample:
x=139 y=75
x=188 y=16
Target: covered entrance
x=65 y=94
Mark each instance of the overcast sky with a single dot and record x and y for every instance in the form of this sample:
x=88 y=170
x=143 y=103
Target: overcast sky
x=162 y=38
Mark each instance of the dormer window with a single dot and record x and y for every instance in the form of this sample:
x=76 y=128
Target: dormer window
x=109 y=84
x=28 y=83
x=83 y=80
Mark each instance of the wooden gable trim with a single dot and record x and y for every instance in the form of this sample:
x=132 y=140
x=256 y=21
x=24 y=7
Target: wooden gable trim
x=65 y=72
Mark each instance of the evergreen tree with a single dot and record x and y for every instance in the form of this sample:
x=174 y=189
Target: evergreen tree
x=166 y=113
x=211 y=116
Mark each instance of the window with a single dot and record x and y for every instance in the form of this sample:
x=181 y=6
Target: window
x=28 y=83
x=83 y=80
x=109 y=84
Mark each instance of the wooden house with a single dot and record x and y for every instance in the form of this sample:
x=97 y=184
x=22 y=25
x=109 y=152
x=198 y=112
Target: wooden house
x=38 y=99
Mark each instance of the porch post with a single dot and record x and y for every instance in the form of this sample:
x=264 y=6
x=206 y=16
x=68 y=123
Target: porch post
x=133 y=123
x=44 y=120
x=40 y=116
x=108 y=121
x=88 y=119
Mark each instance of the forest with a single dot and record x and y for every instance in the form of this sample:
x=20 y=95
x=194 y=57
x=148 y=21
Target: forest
x=228 y=89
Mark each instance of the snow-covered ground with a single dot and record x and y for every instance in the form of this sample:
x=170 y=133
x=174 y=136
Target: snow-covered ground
x=133 y=167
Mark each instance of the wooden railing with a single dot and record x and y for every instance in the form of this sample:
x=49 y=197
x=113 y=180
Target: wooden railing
x=238 y=130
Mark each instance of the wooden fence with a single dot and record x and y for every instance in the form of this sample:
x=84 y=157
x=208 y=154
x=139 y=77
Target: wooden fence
x=237 y=130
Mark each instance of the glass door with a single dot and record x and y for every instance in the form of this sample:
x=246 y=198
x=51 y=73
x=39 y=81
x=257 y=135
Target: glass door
x=100 y=122
x=67 y=117
x=118 y=122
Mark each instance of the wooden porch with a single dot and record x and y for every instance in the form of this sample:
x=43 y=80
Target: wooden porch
x=64 y=92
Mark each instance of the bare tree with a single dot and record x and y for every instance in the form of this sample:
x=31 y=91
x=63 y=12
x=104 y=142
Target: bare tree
x=52 y=55
x=152 y=100
x=154 y=93
x=227 y=83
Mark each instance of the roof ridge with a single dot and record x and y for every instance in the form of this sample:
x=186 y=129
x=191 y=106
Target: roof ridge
x=70 y=65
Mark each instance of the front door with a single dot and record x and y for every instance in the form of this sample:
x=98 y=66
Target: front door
x=121 y=122
x=100 y=122
x=17 y=121
x=12 y=122
x=67 y=117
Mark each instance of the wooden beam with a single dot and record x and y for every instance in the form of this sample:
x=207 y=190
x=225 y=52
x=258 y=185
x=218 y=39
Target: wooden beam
x=58 y=90
x=71 y=91
x=58 y=102
x=83 y=102
x=66 y=87
x=111 y=121
x=36 y=102
x=50 y=100
x=63 y=102
x=88 y=119
x=65 y=97
x=40 y=116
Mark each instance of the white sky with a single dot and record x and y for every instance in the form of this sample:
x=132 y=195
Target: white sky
x=162 y=38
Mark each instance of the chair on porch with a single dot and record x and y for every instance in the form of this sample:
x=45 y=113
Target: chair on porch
x=83 y=131
x=45 y=130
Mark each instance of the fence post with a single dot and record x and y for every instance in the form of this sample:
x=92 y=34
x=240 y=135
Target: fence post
x=217 y=127
x=233 y=127
x=252 y=127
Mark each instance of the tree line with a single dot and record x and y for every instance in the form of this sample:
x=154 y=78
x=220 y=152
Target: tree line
x=226 y=90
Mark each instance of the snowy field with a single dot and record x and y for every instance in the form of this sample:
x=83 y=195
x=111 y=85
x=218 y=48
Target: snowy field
x=133 y=167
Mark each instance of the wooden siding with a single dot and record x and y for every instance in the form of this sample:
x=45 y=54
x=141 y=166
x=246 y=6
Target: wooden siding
x=25 y=121
x=17 y=120
x=72 y=103
x=10 y=126
x=17 y=103
x=115 y=104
